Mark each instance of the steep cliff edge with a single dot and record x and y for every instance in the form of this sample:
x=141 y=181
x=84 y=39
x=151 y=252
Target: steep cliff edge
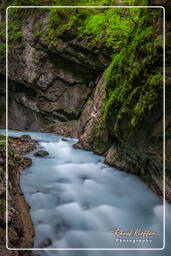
x=20 y=227
x=77 y=80
x=137 y=149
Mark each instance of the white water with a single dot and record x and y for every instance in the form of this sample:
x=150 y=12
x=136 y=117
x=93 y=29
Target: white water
x=76 y=200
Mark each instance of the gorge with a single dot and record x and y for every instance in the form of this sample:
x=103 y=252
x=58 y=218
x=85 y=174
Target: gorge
x=95 y=75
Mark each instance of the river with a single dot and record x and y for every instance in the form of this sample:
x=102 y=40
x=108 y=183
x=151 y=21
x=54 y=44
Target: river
x=77 y=201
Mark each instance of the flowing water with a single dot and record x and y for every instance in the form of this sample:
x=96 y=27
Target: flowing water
x=76 y=200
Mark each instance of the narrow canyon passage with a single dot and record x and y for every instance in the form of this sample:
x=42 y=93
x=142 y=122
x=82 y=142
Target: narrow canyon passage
x=76 y=200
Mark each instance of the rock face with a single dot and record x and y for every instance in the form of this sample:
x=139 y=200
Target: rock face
x=90 y=123
x=49 y=84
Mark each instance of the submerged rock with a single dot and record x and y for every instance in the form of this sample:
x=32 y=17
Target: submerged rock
x=45 y=243
x=64 y=139
x=84 y=177
x=61 y=228
x=41 y=153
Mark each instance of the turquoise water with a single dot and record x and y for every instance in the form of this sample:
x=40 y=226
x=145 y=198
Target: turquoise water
x=76 y=201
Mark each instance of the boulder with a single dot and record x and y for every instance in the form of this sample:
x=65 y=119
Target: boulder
x=45 y=243
x=27 y=161
x=25 y=137
x=41 y=153
x=64 y=139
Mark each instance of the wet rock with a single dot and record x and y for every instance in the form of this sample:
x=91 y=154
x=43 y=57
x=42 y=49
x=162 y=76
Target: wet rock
x=45 y=243
x=63 y=180
x=25 y=137
x=86 y=206
x=41 y=153
x=84 y=177
x=1 y=161
x=61 y=228
x=27 y=161
x=64 y=139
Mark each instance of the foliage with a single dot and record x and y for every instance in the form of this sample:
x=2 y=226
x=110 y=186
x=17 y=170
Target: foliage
x=89 y=101
x=2 y=41
x=133 y=84
x=15 y=33
x=101 y=26
x=110 y=27
x=2 y=136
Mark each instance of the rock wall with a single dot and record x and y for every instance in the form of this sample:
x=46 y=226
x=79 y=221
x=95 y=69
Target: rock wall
x=47 y=84
x=138 y=151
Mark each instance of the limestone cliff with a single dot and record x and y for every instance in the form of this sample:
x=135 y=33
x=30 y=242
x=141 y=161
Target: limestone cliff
x=49 y=84
x=138 y=150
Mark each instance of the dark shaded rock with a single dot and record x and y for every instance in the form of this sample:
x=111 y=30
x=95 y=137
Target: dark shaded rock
x=63 y=180
x=64 y=139
x=45 y=243
x=25 y=137
x=26 y=161
x=85 y=206
x=84 y=177
x=61 y=228
x=41 y=153
x=1 y=161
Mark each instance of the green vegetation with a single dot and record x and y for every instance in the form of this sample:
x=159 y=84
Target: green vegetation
x=2 y=206
x=15 y=36
x=37 y=29
x=89 y=101
x=102 y=27
x=133 y=84
x=2 y=41
x=2 y=136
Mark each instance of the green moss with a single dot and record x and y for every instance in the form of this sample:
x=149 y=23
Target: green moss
x=2 y=41
x=72 y=123
x=2 y=206
x=15 y=35
x=2 y=136
x=100 y=26
x=89 y=101
x=133 y=85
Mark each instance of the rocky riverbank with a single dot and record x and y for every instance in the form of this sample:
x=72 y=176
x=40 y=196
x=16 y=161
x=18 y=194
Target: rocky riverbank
x=20 y=227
